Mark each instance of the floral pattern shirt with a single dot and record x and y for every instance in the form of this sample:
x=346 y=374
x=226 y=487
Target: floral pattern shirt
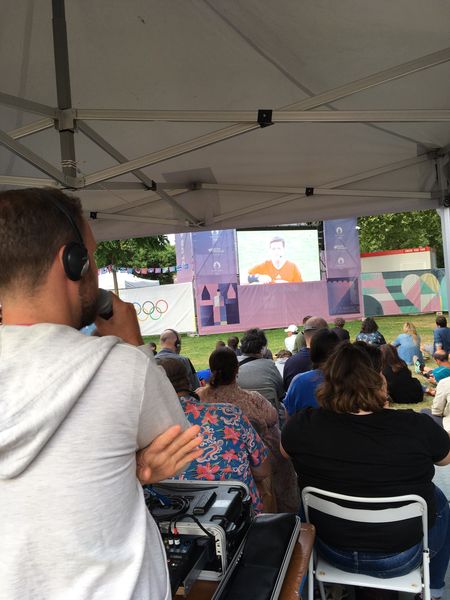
x=230 y=445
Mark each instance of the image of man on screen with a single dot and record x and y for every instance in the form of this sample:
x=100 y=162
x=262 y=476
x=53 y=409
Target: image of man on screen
x=276 y=270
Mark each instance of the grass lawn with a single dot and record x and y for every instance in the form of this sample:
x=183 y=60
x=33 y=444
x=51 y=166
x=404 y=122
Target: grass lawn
x=199 y=348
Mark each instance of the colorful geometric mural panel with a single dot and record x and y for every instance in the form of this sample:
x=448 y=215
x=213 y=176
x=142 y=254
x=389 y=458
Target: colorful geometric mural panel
x=403 y=292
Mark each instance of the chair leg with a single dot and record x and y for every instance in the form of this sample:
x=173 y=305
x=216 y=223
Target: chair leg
x=311 y=577
x=323 y=594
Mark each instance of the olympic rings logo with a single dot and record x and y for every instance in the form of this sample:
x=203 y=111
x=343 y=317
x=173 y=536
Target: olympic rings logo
x=152 y=310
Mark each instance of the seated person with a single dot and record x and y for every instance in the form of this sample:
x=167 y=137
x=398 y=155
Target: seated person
x=231 y=447
x=339 y=330
x=257 y=372
x=233 y=343
x=441 y=371
x=369 y=333
x=280 y=359
x=170 y=342
x=302 y=391
x=440 y=409
x=441 y=334
x=204 y=375
x=277 y=269
x=301 y=361
x=289 y=340
x=262 y=415
x=408 y=344
x=354 y=445
x=402 y=386
x=300 y=338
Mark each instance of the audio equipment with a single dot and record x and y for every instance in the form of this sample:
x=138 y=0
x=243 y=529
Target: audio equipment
x=75 y=256
x=202 y=524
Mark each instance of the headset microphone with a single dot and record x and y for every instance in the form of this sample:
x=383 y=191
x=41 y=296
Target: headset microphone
x=104 y=306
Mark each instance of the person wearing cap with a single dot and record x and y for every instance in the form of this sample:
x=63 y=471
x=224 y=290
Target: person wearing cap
x=301 y=362
x=289 y=341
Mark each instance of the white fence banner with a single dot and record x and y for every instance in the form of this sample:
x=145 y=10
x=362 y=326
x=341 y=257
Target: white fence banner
x=162 y=307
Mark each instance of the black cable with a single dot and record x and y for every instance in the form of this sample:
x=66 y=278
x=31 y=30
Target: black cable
x=197 y=522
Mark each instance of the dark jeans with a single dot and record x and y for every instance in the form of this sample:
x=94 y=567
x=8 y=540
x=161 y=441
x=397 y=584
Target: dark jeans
x=392 y=565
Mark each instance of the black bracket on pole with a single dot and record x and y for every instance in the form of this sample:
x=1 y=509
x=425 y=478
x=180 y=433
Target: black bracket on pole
x=264 y=117
x=309 y=191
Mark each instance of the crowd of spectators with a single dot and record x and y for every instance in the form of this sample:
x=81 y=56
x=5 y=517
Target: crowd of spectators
x=75 y=439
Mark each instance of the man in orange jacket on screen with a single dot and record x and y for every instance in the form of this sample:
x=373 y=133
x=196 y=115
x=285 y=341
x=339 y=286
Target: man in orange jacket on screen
x=277 y=269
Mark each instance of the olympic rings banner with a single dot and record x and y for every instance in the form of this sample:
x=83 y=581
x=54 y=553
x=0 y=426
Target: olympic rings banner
x=163 y=306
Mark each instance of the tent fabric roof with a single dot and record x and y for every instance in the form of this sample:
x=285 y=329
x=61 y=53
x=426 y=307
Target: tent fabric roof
x=226 y=61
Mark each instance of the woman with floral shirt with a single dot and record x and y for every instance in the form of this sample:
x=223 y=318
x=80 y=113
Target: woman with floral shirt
x=223 y=387
x=231 y=447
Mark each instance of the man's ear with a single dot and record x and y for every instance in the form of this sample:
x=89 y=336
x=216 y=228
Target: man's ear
x=60 y=258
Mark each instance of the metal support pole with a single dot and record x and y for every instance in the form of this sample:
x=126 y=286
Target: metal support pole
x=443 y=183
x=61 y=52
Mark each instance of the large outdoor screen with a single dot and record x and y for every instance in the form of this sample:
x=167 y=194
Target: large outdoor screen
x=278 y=256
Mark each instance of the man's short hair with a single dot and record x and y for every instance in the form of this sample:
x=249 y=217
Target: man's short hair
x=312 y=325
x=32 y=230
x=277 y=239
x=339 y=322
x=441 y=321
x=441 y=355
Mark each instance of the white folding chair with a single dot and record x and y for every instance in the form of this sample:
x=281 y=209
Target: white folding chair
x=418 y=580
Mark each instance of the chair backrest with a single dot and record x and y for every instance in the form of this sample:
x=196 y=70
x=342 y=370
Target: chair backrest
x=410 y=506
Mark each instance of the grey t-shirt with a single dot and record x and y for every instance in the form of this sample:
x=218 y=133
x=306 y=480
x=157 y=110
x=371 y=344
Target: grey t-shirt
x=73 y=521
x=259 y=374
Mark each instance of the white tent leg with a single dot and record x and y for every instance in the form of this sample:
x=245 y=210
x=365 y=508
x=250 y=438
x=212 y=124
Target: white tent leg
x=443 y=181
x=444 y=213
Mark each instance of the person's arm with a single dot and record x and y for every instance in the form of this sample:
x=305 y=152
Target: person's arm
x=296 y=275
x=441 y=399
x=444 y=461
x=168 y=453
x=258 y=274
x=397 y=342
x=123 y=323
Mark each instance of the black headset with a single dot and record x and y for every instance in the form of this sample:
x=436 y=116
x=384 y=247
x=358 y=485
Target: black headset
x=75 y=256
x=178 y=341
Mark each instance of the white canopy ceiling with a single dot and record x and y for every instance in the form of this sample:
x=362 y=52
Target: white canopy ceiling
x=359 y=93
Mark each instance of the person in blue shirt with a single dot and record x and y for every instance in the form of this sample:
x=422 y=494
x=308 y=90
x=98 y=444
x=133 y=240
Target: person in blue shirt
x=441 y=334
x=440 y=372
x=302 y=390
x=408 y=344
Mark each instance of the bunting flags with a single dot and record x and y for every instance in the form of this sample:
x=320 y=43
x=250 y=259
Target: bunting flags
x=142 y=270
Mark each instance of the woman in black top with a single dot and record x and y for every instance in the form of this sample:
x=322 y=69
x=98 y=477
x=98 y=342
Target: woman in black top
x=402 y=386
x=353 y=444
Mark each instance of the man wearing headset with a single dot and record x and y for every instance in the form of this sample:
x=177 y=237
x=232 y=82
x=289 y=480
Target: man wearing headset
x=170 y=343
x=77 y=415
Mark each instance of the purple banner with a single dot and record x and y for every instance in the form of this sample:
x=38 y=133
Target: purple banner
x=215 y=256
x=215 y=279
x=342 y=248
x=185 y=259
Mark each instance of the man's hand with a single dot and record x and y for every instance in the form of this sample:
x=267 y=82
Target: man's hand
x=123 y=323
x=264 y=279
x=170 y=452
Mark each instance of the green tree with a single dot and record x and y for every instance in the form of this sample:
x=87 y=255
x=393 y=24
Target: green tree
x=152 y=251
x=395 y=231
